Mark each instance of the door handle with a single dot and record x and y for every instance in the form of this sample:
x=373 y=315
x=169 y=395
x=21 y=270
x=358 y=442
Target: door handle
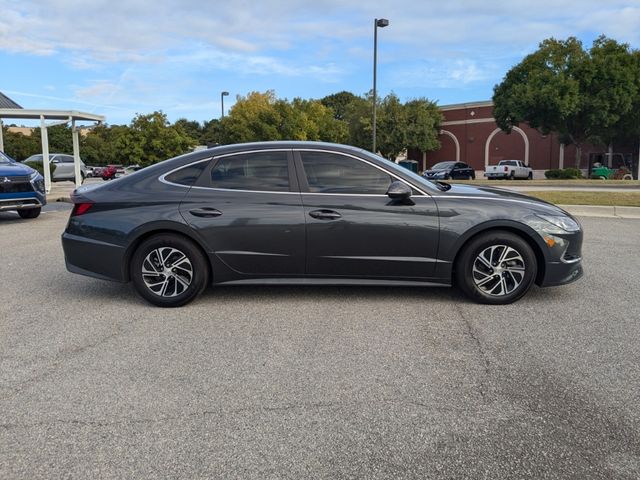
x=325 y=214
x=205 y=212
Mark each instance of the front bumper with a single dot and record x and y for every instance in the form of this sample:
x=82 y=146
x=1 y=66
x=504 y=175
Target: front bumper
x=496 y=175
x=560 y=273
x=564 y=262
x=19 y=201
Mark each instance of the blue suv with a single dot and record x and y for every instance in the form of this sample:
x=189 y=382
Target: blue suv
x=21 y=188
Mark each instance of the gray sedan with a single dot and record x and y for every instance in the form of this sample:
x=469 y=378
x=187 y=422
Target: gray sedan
x=313 y=213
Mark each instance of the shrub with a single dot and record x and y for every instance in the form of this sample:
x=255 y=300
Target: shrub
x=571 y=173
x=563 y=174
x=40 y=168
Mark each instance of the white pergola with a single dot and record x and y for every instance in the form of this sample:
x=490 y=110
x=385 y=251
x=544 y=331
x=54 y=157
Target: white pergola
x=59 y=117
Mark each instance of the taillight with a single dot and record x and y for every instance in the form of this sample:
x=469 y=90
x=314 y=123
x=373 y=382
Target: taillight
x=506 y=169
x=81 y=208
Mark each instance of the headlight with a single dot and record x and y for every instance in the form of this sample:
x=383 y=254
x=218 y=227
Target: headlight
x=565 y=223
x=34 y=175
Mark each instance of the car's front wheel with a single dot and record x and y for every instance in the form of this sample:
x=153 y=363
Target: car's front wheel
x=169 y=270
x=496 y=268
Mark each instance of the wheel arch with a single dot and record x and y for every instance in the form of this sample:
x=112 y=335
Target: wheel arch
x=522 y=231
x=176 y=229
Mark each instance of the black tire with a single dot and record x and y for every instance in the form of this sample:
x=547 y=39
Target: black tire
x=199 y=278
x=29 y=212
x=512 y=175
x=530 y=177
x=472 y=176
x=466 y=276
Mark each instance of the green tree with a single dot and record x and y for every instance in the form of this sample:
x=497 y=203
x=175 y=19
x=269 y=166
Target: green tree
x=359 y=122
x=581 y=95
x=391 y=133
x=423 y=124
x=20 y=146
x=339 y=103
x=151 y=139
x=211 y=133
x=252 y=118
x=191 y=128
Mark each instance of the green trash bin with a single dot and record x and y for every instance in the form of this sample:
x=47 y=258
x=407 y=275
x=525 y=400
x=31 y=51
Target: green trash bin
x=409 y=165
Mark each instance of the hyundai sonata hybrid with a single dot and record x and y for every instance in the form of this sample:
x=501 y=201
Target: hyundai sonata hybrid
x=313 y=213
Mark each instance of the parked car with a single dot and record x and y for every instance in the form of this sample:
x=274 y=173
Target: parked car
x=21 y=188
x=109 y=172
x=450 y=170
x=65 y=169
x=313 y=213
x=510 y=169
x=93 y=171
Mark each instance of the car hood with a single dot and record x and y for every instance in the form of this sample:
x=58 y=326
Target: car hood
x=15 y=169
x=431 y=172
x=495 y=193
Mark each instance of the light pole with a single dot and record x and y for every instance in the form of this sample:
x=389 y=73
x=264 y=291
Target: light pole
x=222 y=95
x=377 y=22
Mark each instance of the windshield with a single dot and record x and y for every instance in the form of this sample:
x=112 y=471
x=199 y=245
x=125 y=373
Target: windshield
x=509 y=162
x=442 y=165
x=5 y=159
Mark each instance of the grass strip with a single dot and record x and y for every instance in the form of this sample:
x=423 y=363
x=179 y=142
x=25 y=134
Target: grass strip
x=620 y=199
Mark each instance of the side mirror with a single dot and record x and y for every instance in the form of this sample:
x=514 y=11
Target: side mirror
x=399 y=190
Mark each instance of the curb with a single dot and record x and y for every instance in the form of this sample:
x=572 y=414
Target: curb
x=602 y=211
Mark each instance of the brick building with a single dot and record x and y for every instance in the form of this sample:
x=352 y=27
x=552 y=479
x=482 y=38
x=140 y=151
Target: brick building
x=469 y=134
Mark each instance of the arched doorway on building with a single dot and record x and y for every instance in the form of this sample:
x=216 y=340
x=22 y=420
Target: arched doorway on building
x=503 y=146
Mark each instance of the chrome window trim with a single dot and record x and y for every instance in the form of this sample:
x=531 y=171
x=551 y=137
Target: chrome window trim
x=162 y=178
x=245 y=191
x=392 y=175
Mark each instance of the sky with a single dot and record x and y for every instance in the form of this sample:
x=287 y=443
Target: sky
x=120 y=58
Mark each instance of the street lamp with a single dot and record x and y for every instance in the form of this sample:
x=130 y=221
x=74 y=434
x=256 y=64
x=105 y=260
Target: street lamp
x=377 y=22
x=222 y=95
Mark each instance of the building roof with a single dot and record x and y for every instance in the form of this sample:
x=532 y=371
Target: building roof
x=460 y=106
x=50 y=114
x=6 y=102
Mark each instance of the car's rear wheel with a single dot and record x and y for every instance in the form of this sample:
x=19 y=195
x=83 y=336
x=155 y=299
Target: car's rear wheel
x=29 y=212
x=496 y=268
x=169 y=270
x=512 y=175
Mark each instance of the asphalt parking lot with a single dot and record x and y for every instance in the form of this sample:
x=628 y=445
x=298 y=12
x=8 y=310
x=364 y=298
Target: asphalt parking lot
x=308 y=382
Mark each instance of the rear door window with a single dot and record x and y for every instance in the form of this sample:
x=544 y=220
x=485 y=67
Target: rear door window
x=258 y=171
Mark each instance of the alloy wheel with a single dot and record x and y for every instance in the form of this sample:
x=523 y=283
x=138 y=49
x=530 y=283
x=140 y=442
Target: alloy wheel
x=167 y=272
x=498 y=270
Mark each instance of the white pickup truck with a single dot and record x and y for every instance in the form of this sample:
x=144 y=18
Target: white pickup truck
x=509 y=169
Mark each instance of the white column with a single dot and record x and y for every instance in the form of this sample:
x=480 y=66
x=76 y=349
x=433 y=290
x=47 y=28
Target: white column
x=76 y=153
x=561 y=160
x=45 y=154
x=1 y=138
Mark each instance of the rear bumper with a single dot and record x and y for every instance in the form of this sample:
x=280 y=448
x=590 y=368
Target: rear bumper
x=93 y=258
